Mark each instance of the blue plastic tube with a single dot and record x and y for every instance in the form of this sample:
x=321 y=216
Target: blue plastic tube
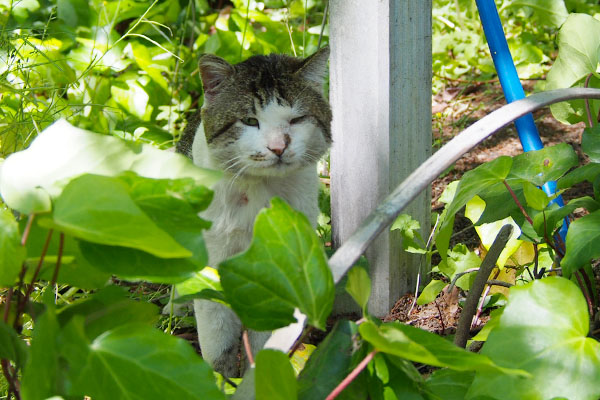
x=511 y=85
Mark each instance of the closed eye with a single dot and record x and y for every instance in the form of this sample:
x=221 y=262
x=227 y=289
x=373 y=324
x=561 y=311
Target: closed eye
x=250 y=121
x=298 y=120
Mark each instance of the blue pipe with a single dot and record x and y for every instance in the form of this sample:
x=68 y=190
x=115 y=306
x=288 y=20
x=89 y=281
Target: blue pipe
x=511 y=86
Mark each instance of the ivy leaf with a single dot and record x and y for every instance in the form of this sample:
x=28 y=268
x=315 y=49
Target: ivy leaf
x=550 y=12
x=547 y=164
x=475 y=181
x=582 y=243
x=109 y=217
x=12 y=254
x=553 y=217
x=359 y=286
x=418 y=345
x=284 y=268
x=449 y=384
x=131 y=264
x=587 y=172
x=590 y=143
x=542 y=330
x=535 y=197
x=30 y=178
x=40 y=375
x=107 y=309
x=459 y=260
x=330 y=363
x=411 y=237
x=274 y=377
x=431 y=291
x=578 y=56
x=205 y=284
x=135 y=361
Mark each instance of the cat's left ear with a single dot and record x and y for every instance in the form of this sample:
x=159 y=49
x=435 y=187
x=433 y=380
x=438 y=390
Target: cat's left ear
x=314 y=68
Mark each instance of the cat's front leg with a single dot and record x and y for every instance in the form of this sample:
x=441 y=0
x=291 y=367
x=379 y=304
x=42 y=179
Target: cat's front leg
x=219 y=333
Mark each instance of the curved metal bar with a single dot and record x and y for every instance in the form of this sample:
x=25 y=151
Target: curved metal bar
x=416 y=182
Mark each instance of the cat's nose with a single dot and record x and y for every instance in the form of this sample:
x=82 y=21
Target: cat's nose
x=277 y=150
x=278 y=145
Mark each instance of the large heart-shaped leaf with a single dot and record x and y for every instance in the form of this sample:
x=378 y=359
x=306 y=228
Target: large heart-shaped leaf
x=135 y=362
x=549 y=12
x=578 y=56
x=547 y=164
x=284 y=268
x=109 y=216
x=590 y=143
x=30 y=178
x=418 y=345
x=582 y=243
x=12 y=254
x=542 y=330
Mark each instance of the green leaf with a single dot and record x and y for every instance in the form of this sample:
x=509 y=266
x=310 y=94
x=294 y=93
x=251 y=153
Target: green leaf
x=587 y=172
x=135 y=362
x=590 y=143
x=284 y=268
x=582 y=243
x=12 y=347
x=448 y=384
x=418 y=345
x=12 y=254
x=108 y=309
x=74 y=270
x=359 y=286
x=40 y=375
x=173 y=205
x=431 y=291
x=392 y=382
x=203 y=284
x=274 y=376
x=535 y=197
x=30 y=178
x=330 y=363
x=578 y=56
x=411 y=237
x=131 y=264
x=459 y=260
x=550 y=12
x=542 y=330
x=475 y=181
x=553 y=217
x=109 y=217
x=547 y=164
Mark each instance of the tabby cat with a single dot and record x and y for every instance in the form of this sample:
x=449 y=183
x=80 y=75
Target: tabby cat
x=265 y=124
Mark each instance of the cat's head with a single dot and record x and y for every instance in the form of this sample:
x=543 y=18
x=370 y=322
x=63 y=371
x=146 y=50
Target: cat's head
x=266 y=116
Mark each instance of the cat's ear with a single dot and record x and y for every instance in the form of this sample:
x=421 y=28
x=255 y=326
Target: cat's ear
x=314 y=68
x=213 y=71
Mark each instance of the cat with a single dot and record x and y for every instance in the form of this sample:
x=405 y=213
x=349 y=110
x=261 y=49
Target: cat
x=265 y=123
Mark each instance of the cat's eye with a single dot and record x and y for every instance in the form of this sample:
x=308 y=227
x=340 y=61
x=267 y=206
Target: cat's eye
x=297 y=120
x=250 y=121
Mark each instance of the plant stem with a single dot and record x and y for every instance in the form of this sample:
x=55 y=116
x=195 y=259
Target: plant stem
x=325 y=11
x=12 y=387
x=585 y=292
x=61 y=244
x=27 y=229
x=514 y=196
x=298 y=342
x=344 y=384
x=588 y=110
x=247 y=347
x=25 y=299
x=466 y=316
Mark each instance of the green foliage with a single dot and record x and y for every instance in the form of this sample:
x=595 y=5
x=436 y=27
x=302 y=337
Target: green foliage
x=578 y=57
x=299 y=276
x=551 y=346
x=274 y=377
